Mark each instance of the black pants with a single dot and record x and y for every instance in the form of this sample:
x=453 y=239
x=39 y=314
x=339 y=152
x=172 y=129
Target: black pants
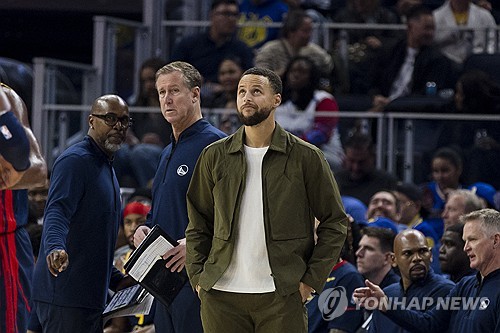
x=60 y=319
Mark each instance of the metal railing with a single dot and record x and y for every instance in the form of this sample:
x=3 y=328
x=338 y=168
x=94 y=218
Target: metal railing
x=56 y=83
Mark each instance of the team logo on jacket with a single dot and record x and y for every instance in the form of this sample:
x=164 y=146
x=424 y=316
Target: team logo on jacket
x=182 y=170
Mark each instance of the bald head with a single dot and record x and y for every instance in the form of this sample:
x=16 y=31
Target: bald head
x=109 y=121
x=412 y=256
x=102 y=104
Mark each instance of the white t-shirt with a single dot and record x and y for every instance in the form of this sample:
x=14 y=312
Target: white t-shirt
x=249 y=270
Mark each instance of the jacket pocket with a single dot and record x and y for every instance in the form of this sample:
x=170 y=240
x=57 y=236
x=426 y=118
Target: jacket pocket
x=224 y=203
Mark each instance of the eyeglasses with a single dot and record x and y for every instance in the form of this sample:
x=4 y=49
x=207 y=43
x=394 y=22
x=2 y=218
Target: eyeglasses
x=111 y=119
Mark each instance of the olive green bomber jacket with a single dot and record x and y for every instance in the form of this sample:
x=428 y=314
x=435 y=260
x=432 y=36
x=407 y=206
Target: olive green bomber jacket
x=297 y=185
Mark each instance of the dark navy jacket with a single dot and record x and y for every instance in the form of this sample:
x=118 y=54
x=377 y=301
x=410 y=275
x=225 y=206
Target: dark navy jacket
x=485 y=318
x=432 y=286
x=177 y=162
x=343 y=275
x=82 y=216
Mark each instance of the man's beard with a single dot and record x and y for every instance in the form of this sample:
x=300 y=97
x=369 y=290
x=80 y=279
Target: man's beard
x=111 y=147
x=256 y=118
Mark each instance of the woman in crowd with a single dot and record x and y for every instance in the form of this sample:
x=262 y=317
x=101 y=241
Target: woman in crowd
x=302 y=100
x=229 y=73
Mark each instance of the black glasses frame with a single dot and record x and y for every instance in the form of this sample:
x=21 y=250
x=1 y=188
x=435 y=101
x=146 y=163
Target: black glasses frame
x=112 y=119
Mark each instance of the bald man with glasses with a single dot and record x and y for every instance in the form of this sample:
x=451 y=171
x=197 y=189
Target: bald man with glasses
x=81 y=222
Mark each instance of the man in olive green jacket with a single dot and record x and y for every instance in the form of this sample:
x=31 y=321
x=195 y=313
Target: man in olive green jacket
x=252 y=204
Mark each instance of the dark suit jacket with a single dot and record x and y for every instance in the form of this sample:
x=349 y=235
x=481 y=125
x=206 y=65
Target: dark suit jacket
x=430 y=66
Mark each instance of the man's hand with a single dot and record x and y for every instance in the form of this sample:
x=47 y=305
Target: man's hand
x=378 y=103
x=305 y=291
x=140 y=234
x=8 y=175
x=57 y=261
x=177 y=256
x=370 y=296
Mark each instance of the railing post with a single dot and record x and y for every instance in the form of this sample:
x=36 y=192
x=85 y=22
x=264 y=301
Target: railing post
x=104 y=54
x=408 y=156
x=153 y=13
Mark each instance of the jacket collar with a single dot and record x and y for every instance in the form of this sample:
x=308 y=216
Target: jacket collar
x=98 y=150
x=279 y=140
x=196 y=127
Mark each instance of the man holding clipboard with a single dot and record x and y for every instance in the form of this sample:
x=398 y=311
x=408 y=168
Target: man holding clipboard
x=178 y=86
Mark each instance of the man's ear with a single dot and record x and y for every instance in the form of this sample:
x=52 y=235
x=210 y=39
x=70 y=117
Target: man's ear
x=496 y=240
x=195 y=94
x=277 y=100
x=392 y=259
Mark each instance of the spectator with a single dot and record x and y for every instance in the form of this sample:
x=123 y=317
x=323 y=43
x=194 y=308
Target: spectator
x=486 y=193
x=295 y=40
x=135 y=163
x=406 y=67
x=374 y=261
x=359 y=177
x=460 y=202
x=375 y=255
x=365 y=44
x=178 y=85
x=256 y=276
x=384 y=204
x=355 y=208
x=37 y=198
x=482 y=236
x=258 y=12
x=476 y=92
x=446 y=169
x=206 y=50
x=345 y=278
x=452 y=257
x=413 y=258
x=134 y=215
x=302 y=98
x=458 y=44
x=230 y=71
x=410 y=200
x=81 y=222
x=21 y=166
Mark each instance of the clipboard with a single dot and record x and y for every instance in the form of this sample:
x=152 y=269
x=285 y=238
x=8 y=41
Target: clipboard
x=147 y=267
x=129 y=301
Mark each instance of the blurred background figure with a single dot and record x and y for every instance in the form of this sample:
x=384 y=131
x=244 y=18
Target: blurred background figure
x=452 y=257
x=459 y=202
x=295 y=40
x=206 y=50
x=364 y=45
x=302 y=98
x=258 y=12
x=457 y=44
x=230 y=71
x=359 y=177
x=134 y=215
x=476 y=92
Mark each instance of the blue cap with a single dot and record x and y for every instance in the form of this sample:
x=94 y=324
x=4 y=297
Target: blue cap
x=384 y=222
x=485 y=191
